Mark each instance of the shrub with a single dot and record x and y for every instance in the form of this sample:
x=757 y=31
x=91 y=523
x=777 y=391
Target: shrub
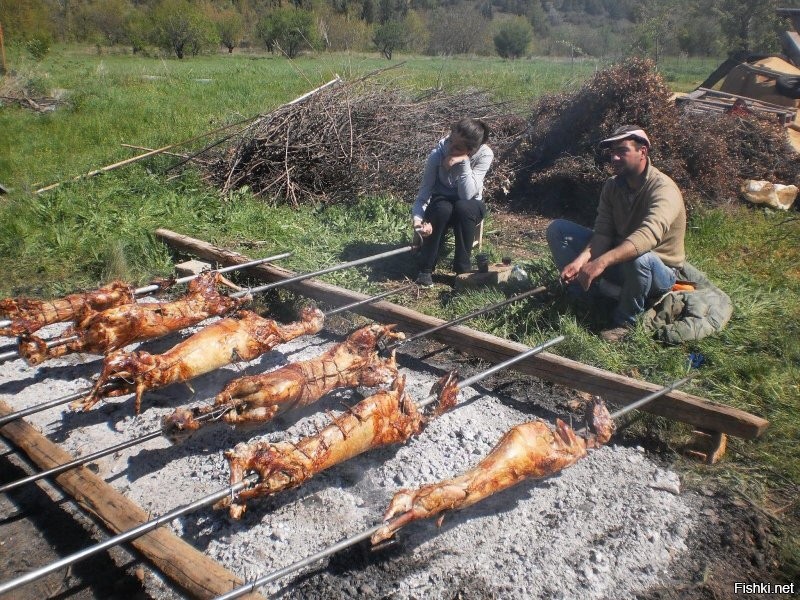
x=38 y=46
x=513 y=38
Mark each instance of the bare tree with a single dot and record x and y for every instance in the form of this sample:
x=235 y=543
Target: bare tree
x=456 y=31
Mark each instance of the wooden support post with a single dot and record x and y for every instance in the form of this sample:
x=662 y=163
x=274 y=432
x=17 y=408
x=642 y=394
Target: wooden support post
x=194 y=572
x=611 y=387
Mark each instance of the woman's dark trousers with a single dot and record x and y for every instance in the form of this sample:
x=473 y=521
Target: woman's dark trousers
x=463 y=216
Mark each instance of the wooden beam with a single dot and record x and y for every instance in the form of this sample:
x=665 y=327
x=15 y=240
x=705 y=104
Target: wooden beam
x=612 y=387
x=194 y=572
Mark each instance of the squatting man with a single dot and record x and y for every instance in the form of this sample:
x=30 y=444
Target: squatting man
x=636 y=249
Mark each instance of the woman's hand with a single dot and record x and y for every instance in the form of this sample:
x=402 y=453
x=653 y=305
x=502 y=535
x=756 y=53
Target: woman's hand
x=454 y=159
x=423 y=228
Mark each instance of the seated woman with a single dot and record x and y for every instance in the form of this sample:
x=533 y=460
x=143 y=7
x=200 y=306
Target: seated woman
x=451 y=195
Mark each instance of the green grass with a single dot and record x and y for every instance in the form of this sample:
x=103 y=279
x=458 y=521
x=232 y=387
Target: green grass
x=92 y=230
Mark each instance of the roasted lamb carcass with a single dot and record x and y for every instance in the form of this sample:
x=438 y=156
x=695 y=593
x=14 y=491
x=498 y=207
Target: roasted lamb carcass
x=115 y=328
x=388 y=417
x=532 y=449
x=259 y=398
x=28 y=315
x=241 y=337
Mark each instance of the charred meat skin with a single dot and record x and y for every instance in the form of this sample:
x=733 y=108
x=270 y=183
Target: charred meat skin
x=28 y=315
x=533 y=449
x=388 y=417
x=115 y=328
x=241 y=337
x=259 y=398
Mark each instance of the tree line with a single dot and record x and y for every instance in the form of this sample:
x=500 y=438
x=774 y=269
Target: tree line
x=509 y=28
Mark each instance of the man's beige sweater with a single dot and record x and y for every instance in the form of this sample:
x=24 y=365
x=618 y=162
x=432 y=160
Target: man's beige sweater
x=651 y=218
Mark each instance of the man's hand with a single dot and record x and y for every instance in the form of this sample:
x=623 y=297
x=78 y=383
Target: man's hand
x=570 y=272
x=588 y=273
x=455 y=159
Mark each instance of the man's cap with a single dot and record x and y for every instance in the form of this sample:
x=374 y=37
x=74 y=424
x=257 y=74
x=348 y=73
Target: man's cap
x=627 y=132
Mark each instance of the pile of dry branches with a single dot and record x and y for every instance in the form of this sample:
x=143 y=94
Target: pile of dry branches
x=355 y=139
x=18 y=90
x=560 y=169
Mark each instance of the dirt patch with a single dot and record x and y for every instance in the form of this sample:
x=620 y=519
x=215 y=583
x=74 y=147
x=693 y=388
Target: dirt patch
x=37 y=529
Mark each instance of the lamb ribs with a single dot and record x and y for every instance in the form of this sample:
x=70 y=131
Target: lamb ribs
x=241 y=337
x=530 y=450
x=388 y=417
x=259 y=398
x=116 y=327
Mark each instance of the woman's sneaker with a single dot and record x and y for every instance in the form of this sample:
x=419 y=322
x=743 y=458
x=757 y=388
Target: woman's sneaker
x=424 y=279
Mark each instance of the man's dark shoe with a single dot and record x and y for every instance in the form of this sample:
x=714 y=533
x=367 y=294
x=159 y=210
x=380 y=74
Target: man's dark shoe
x=424 y=279
x=615 y=334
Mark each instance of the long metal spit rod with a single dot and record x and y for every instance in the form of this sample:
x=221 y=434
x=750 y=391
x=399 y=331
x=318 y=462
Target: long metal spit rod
x=259 y=289
x=339 y=267
x=12 y=354
x=217 y=414
x=79 y=394
x=44 y=406
x=211 y=498
x=366 y=534
x=154 y=287
x=126 y=536
x=467 y=317
x=259 y=261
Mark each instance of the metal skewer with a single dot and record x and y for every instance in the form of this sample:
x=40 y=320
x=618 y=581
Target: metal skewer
x=155 y=287
x=259 y=289
x=212 y=416
x=339 y=267
x=234 y=489
x=131 y=534
x=360 y=537
x=466 y=317
x=11 y=354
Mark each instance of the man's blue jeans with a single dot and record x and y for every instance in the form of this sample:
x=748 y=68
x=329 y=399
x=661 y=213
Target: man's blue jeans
x=637 y=280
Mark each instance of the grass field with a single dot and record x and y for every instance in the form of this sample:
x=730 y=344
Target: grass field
x=95 y=229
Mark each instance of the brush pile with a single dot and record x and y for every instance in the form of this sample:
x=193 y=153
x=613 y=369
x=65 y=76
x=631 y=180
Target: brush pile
x=559 y=167
x=354 y=139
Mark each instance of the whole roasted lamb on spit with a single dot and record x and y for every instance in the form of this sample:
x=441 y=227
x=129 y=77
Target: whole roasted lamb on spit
x=115 y=328
x=259 y=398
x=388 y=417
x=28 y=315
x=241 y=337
x=533 y=449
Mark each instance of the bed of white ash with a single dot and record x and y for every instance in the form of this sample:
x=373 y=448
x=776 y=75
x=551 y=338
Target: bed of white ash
x=613 y=525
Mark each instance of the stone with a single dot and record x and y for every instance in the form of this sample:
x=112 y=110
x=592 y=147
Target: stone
x=191 y=267
x=498 y=273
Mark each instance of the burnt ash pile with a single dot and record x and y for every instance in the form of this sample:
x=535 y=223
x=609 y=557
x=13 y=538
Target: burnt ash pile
x=357 y=138
x=611 y=526
x=560 y=168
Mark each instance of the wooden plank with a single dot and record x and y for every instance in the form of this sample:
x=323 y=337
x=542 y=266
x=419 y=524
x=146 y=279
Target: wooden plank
x=194 y=572
x=612 y=387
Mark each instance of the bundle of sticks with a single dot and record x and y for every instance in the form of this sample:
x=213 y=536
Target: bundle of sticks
x=560 y=166
x=358 y=138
